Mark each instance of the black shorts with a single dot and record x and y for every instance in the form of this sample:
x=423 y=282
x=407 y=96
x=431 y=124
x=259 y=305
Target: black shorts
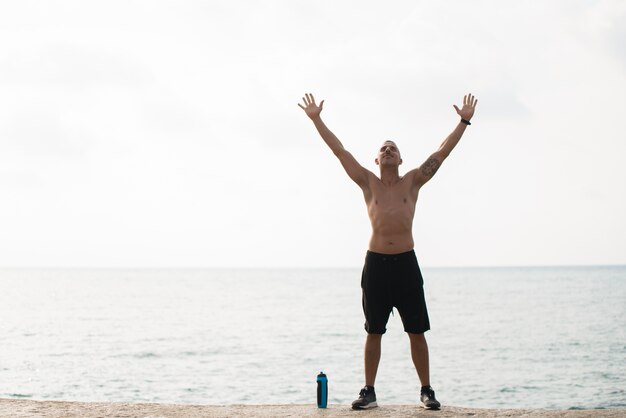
x=393 y=280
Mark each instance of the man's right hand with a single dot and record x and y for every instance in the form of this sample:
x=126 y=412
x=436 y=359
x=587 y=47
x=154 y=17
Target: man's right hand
x=310 y=108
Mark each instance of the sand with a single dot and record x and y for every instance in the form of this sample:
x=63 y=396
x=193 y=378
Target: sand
x=30 y=408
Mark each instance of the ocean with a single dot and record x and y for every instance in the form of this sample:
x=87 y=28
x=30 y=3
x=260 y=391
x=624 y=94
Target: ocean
x=518 y=337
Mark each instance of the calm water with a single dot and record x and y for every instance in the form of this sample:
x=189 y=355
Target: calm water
x=501 y=337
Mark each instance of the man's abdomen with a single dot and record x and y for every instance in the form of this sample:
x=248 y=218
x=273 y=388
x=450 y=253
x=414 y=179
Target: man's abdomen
x=391 y=243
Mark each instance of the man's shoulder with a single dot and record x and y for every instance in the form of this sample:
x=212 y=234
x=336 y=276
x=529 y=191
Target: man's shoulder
x=372 y=178
x=411 y=174
x=413 y=178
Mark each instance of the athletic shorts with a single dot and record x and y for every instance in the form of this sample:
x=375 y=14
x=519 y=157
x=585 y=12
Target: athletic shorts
x=393 y=280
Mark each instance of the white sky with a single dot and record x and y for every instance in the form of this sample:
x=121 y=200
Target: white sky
x=166 y=134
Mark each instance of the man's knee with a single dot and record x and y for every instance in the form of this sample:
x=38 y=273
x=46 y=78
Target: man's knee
x=417 y=338
x=373 y=341
x=374 y=337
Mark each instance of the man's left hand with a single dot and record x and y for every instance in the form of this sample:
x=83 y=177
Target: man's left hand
x=469 y=104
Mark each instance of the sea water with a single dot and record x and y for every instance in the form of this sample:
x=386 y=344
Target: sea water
x=552 y=337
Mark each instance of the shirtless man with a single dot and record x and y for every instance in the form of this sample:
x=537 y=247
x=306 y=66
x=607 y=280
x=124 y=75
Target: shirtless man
x=391 y=275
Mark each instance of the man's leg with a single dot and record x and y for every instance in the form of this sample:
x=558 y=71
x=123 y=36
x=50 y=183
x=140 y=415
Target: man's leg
x=372 y=357
x=419 y=354
x=367 y=396
x=377 y=305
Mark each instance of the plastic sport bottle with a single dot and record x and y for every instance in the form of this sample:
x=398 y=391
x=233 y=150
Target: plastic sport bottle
x=322 y=390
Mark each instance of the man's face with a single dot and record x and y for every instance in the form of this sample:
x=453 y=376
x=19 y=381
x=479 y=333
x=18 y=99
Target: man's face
x=388 y=154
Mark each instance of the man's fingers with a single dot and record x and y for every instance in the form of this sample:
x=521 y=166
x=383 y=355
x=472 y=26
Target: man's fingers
x=468 y=100
x=309 y=100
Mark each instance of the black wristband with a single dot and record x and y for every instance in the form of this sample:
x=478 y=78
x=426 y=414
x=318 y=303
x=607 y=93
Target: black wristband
x=467 y=122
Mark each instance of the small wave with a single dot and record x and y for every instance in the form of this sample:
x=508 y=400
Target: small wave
x=148 y=354
x=61 y=354
x=142 y=355
x=19 y=395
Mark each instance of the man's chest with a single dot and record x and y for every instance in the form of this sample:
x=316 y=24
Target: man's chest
x=392 y=199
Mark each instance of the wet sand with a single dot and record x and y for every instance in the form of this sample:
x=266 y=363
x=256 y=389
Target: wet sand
x=30 y=408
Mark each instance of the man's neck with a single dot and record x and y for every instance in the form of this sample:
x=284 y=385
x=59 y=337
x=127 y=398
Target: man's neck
x=389 y=175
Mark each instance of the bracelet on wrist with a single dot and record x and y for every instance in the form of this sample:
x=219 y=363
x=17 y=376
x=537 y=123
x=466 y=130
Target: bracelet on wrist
x=465 y=121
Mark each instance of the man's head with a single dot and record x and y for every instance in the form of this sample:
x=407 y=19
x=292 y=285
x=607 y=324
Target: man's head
x=388 y=154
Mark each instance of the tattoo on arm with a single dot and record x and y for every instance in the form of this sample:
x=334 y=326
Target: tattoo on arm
x=430 y=167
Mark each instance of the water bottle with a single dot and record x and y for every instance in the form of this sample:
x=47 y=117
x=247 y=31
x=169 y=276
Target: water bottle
x=322 y=390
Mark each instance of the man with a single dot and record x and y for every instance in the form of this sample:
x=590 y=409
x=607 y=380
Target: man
x=391 y=275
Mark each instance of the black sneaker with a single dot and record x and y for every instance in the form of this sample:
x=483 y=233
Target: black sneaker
x=428 y=398
x=367 y=399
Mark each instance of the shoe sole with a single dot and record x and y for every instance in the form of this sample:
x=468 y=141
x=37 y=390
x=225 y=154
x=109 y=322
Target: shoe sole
x=368 y=406
x=430 y=408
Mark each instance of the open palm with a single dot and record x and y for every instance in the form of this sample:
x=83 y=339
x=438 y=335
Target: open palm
x=469 y=104
x=310 y=108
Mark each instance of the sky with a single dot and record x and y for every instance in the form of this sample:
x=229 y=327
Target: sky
x=167 y=133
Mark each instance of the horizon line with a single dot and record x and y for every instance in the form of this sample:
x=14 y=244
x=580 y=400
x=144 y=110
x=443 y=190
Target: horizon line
x=298 y=267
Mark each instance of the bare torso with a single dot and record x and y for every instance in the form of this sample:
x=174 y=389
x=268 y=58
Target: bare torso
x=391 y=209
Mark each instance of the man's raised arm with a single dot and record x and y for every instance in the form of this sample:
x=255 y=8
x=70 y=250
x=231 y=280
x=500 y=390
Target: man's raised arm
x=356 y=172
x=428 y=169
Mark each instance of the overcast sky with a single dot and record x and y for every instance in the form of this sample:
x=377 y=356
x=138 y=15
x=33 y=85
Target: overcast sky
x=167 y=133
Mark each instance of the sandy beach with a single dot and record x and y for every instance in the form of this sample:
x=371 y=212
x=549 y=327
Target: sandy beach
x=30 y=408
